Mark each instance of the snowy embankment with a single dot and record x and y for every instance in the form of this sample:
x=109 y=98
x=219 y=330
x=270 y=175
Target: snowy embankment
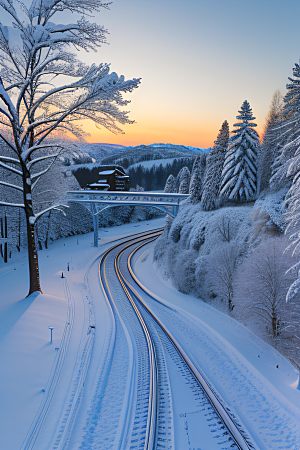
x=256 y=381
x=221 y=256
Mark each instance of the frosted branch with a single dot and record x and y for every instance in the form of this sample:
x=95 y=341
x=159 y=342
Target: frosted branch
x=40 y=214
x=11 y=186
x=16 y=205
x=11 y=169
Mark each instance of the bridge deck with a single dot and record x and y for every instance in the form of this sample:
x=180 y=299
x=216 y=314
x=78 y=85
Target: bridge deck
x=97 y=201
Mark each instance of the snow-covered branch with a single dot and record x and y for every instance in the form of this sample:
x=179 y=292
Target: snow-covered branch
x=9 y=159
x=28 y=152
x=35 y=177
x=36 y=217
x=16 y=205
x=11 y=169
x=42 y=158
x=11 y=186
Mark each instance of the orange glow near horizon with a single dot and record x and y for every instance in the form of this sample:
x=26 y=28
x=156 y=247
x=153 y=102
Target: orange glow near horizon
x=177 y=134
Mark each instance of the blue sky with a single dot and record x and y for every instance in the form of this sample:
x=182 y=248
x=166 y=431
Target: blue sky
x=199 y=60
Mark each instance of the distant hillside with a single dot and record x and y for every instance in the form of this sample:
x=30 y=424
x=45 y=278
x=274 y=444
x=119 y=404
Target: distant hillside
x=188 y=147
x=141 y=153
x=100 y=151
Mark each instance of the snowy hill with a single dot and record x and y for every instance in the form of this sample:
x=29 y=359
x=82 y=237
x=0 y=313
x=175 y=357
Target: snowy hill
x=100 y=151
x=181 y=147
x=141 y=153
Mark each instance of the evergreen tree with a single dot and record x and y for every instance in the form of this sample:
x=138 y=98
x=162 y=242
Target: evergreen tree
x=289 y=134
x=215 y=162
x=184 y=173
x=272 y=134
x=288 y=169
x=239 y=175
x=196 y=163
x=184 y=186
x=197 y=179
x=170 y=184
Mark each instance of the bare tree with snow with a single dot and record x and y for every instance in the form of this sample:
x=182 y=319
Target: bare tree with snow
x=44 y=89
x=262 y=283
x=221 y=272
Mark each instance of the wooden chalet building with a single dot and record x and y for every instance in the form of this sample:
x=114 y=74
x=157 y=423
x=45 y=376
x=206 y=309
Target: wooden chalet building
x=101 y=178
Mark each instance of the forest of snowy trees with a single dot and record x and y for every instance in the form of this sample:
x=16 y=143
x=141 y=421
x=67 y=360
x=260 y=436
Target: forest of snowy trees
x=235 y=242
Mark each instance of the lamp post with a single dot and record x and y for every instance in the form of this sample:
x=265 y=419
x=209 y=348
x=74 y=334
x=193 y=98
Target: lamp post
x=51 y=329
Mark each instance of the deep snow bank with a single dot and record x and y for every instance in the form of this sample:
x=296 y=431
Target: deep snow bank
x=199 y=247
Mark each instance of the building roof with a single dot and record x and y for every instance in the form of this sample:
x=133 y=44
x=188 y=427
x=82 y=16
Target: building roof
x=107 y=172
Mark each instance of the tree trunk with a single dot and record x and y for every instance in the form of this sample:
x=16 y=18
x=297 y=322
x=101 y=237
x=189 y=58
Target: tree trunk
x=274 y=326
x=34 y=274
x=5 y=236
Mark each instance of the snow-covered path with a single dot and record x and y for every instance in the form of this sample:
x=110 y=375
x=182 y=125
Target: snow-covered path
x=99 y=399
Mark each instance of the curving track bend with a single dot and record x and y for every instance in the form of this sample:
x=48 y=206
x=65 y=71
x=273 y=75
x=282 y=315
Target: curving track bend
x=150 y=374
x=136 y=388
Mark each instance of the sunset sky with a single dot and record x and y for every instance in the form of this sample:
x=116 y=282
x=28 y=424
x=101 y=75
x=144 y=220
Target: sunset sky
x=198 y=60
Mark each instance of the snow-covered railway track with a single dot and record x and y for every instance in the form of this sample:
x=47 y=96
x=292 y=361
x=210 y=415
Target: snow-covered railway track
x=138 y=385
x=152 y=409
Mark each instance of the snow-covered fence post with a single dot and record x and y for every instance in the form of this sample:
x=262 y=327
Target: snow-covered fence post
x=51 y=329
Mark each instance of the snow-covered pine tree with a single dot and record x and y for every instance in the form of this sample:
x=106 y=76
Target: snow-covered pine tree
x=214 y=166
x=197 y=179
x=184 y=186
x=184 y=173
x=170 y=184
x=271 y=138
x=289 y=138
x=239 y=175
x=196 y=163
x=34 y=49
x=289 y=168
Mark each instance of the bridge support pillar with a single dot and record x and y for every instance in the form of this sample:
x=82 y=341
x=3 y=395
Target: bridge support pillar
x=95 y=224
x=175 y=210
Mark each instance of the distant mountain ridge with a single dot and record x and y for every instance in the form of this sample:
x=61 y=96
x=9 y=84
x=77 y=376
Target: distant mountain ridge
x=132 y=155
x=175 y=146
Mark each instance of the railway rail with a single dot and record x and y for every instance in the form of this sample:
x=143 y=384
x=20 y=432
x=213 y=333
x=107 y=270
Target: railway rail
x=134 y=396
x=227 y=432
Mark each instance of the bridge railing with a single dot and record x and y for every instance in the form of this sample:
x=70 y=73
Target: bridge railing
x=119 y=196
x=97 y=201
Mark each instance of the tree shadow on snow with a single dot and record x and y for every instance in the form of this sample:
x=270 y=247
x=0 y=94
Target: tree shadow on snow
x=12 y=314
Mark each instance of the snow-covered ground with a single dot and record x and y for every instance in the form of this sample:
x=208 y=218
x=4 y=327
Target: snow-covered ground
x=28 y=358
x=26 y=354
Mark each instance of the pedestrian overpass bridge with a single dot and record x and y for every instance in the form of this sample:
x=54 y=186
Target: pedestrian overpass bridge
x=97 y=201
